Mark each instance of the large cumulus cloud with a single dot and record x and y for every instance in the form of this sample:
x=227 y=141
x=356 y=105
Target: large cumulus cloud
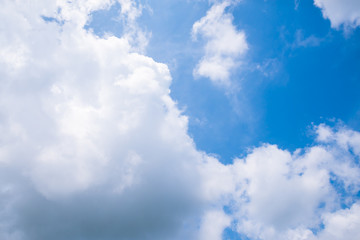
x=92 y=146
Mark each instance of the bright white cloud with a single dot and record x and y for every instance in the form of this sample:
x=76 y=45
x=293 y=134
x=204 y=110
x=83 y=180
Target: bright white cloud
x=343 y=224
x=92 y=145
x=340 y=12
x=346 y=138
x=224 y=44
x=276 y=194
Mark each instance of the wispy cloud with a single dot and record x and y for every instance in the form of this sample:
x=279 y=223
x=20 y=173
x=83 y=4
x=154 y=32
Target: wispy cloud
x=302 y=41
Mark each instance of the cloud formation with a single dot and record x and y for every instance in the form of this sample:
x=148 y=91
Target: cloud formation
x=224 y=47
x=340 y=12
x=276 y=194
x=93 y=147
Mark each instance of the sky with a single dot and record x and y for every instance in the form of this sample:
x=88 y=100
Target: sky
x=173 y=120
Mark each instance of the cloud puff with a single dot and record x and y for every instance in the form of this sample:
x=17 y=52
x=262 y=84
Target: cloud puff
x=340 y=12
x=343 y=224
x=224 y=44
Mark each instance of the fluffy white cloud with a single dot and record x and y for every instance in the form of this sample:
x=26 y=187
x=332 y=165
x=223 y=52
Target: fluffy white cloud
x=224 y=44
x=213 y=225
x=343 y=224
x=340 y=12
x=92 y=145
x=275 y=194
x=343 y=137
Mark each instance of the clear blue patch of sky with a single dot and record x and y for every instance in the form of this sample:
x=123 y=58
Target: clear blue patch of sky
x=287 y=83
x=106 y=21
x=321 y=81
x=51 y=19
x=230 y=234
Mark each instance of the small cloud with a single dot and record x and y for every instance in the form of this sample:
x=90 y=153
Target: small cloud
x=225 y=45
x=341 y=13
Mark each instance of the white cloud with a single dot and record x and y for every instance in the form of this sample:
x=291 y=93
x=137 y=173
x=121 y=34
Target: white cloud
x=340 y=12
x=343 y=224
x=213 y=225
x=281 y=195
x=343 y=137
x=225 y=45
x=277 y=195
x=92 y=145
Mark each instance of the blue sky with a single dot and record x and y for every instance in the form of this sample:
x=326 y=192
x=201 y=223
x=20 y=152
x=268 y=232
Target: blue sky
x=173 y=120
x=299 y=71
